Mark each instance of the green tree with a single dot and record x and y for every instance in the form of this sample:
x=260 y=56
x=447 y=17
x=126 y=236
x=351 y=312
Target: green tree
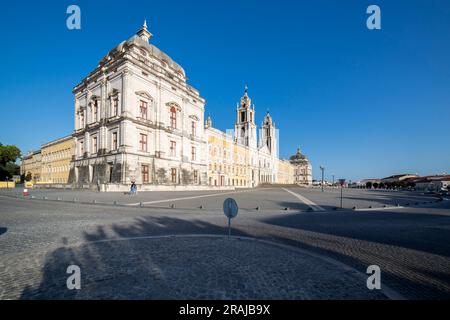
x=8 y=157
x=369 y=185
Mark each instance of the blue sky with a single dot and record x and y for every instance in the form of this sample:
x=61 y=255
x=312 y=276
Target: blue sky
x=361 y=103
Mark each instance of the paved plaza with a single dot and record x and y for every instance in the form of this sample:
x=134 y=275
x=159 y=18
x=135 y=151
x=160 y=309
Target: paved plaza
x=287 y=243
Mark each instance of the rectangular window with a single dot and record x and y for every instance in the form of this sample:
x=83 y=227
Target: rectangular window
x=193 y=154
x=144 y=169
x=195 y=176
x=82 y=119
x=81 y=148
x=94 y=145
x=143 y=109
x=115 y=107
x=173 y=117
x=143 y=142
x=95 y=111
x=114 y=141
x=173 y=173
x=193 y=128
x=173 y=149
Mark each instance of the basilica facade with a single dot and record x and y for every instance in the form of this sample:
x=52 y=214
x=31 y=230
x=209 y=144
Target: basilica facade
x=237 y=158
x=138 y=120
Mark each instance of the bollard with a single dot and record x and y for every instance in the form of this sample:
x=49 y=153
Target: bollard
x=370 y=207
x=141 y=204
x=286 y=209
x=201 y=207
x=354 y=208
x=172 y=206
x=94 y=201
x=257 y=208
x=115 y=202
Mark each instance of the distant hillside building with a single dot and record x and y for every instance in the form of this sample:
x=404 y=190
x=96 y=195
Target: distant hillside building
x=432 y=183
x=398 y=177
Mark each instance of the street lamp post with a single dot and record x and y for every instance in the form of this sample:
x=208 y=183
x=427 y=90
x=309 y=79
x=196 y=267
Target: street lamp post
x=341 y=182
x=323 y=169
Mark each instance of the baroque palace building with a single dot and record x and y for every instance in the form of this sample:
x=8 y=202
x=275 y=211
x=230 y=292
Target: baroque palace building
x=236 y=158
x=138 y=120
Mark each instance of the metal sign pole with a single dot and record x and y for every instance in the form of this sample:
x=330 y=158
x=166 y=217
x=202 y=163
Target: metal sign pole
x=230 y=209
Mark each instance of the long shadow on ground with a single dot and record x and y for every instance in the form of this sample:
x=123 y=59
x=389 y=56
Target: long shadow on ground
x=421 y=272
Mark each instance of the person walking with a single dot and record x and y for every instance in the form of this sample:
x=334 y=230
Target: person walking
x=133 y=189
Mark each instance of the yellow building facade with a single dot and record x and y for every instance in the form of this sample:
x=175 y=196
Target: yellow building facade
x=227 y=161
x=285 y=172
x=32 y=165
x=56 y=157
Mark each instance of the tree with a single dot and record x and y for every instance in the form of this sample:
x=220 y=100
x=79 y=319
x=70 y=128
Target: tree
x=375 y=185
x=369 y=185
x=8 y=157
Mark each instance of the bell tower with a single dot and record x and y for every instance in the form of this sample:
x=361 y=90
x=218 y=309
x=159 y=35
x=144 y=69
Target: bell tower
x=245 y=128
x=268 y=134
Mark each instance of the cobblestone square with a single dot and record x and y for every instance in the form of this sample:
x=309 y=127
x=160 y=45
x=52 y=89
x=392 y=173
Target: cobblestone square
x=287 y=243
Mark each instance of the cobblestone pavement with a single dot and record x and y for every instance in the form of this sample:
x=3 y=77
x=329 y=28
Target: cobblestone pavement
x=181 y=268
x=411 y=245
x=249 y=199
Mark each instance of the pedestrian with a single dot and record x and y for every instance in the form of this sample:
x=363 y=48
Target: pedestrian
x=133 y=189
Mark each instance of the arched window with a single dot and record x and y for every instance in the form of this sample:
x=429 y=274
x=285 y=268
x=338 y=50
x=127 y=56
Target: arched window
x=243 y=132
x=173 y=117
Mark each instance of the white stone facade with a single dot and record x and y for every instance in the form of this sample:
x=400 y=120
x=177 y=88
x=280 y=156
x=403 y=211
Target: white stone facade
x=136 y=119
x=302 y=169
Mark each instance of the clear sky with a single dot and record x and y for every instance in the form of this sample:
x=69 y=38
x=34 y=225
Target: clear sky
x=361 y=103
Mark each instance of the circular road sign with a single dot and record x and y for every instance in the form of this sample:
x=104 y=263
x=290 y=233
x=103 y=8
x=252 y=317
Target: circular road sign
x=230 y=208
